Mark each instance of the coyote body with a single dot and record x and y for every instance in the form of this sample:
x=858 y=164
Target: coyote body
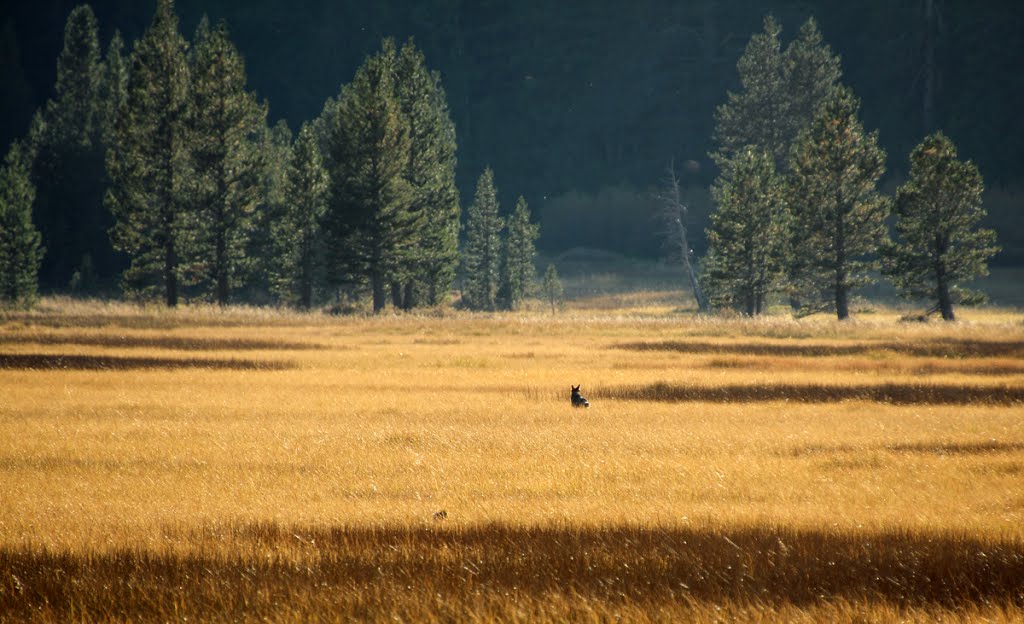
x=578 y=399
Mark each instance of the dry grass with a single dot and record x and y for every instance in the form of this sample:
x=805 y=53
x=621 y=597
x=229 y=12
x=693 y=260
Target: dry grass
x=822 y=471
x=275 y=572
x=893 y=393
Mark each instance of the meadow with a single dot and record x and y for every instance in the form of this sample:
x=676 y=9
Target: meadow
x=251 y=464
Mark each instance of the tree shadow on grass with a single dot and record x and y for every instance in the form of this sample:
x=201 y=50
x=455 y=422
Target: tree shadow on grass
x=40 y=361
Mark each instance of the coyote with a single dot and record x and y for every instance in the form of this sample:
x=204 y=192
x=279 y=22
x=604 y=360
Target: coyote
x=577 y=399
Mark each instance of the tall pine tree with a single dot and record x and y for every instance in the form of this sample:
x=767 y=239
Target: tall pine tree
x=20 y=249
x=68 y=158
x=520 y=252
x=431 y=173
x=939 y=245
x=224 y=125
x=298 y=241
x=747 y=241
x=149 y=163
x=371 y=220
x=482 y=255
x=838 y=216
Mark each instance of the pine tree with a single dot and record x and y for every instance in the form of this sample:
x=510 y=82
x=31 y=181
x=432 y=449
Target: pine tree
x=68 y=157
x=552 y=286
x=275 y=150
x=482 y=254
x=781 y=91
x=747 y=241
x=431 y=173
x=838 y=216
x=938 y=243
x=20 y=250
x=298 y=241
x=149 y=161
x=371 y=222
x=517 y=270
x=224 y=124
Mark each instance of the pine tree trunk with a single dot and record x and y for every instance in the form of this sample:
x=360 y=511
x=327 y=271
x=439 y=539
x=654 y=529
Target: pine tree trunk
x=409 y=296
x=842 y=289
x=749 y=303
x=379 y=297
x=221 y=259
x=945 y=301
x=170 y=275
x=396 y=295
x=842 y=303
x=222 y=271
x=306 y=285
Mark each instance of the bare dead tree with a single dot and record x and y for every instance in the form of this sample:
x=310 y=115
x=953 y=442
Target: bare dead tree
x=673 y=219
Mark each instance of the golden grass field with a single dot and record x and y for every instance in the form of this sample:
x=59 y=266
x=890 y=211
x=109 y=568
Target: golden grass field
x=251 y=464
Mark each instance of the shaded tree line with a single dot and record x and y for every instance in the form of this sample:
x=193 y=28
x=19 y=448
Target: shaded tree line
x=168 y=151
x=203 y=200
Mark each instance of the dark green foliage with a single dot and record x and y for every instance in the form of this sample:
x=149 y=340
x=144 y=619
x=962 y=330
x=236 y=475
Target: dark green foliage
x=75 y=116
x=747 y=241
x=431 y=174
x=20 y=250
x=372 y=218
x=520 y=252
x=298 y=242
x=552 y=286
x=113 y=87
x=781 y=91
x=482 y=254
x=68 y=156
x=275 y=153
x=150 y=162
x=939 y=245
x=811 y=73
x=224 y=123
x=838 y=216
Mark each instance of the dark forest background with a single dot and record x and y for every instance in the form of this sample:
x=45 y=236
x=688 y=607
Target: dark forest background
x=580 y=106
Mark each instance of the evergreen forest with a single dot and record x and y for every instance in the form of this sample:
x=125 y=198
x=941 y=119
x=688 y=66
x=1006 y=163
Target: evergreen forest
x=406 y=155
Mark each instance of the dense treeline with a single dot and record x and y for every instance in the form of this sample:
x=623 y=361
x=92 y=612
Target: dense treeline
x=204 y=200
x=168 y=152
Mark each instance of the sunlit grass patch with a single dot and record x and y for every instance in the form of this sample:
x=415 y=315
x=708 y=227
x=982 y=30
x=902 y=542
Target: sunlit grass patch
x=310 y=491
